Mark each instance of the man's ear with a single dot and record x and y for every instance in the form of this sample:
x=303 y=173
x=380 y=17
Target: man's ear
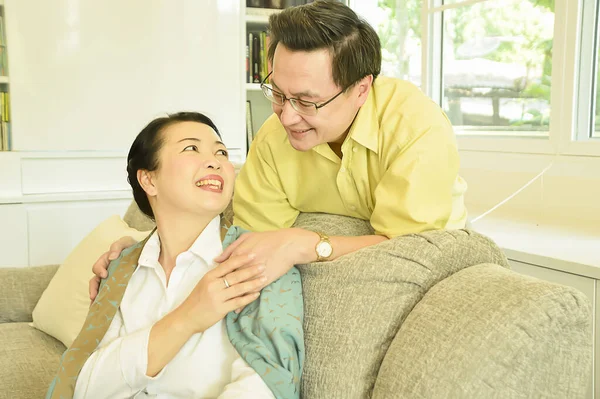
x=146 y=180
x=364 y=86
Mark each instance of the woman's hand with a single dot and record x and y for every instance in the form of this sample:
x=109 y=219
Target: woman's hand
x=211 y=299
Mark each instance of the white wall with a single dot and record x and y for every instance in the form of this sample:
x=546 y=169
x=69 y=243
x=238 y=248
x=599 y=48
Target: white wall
x=88 y=75
x=567 y=195
x=85 y=78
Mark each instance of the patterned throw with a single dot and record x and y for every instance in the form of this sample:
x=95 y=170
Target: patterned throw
x=267 y=334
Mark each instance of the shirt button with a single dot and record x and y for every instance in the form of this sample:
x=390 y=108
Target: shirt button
x=343 y=169
x=355 y=149
x=352 y=207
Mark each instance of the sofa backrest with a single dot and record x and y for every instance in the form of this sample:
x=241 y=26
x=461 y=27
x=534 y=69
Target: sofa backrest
x=355 y=305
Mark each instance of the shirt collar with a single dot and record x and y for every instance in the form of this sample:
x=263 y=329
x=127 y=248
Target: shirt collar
x=365 y=128
x=206 y=246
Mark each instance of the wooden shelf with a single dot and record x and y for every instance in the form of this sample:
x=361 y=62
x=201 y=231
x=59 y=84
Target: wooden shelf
x=259 y=16
x=253 y=87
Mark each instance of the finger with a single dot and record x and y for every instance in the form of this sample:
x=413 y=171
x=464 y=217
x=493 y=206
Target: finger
x=99 y=268
x=241 y=289
x=232 y=247
x=244 y=274
x=118 y=246
x=93 y=287
x=232 y=264
x=241 y=301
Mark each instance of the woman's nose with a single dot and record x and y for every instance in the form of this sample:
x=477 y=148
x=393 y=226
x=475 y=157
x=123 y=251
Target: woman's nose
x=213 y=164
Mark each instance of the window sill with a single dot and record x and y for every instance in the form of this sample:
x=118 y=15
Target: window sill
x=568 y=248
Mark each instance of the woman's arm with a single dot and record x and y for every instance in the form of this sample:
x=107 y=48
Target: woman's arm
x=123 y=365
x=117 y=368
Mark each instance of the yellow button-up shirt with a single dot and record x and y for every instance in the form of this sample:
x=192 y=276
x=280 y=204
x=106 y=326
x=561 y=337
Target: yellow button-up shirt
x=399 y=169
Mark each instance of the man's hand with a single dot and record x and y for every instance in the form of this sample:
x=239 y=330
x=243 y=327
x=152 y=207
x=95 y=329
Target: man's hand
x=101 y=265
x=278 y=250
x=212 y=299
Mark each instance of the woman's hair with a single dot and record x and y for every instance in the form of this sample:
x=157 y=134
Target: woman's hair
x=143 y=154
x=353 y=44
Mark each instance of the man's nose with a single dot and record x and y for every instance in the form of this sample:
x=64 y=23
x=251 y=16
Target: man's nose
x=289 y=116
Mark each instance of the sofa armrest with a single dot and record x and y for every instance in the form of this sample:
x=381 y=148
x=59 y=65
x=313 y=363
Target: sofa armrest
x=20 y=290
x=487 y=332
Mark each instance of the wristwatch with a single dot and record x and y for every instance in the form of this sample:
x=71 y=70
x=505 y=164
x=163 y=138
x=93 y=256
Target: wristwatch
x=323 y=248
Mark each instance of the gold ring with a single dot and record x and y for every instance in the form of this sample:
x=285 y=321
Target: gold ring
x=226 y=283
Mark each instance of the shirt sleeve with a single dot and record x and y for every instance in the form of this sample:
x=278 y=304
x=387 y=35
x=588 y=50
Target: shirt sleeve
x=259 y=201
x=415 y=193
x=117 y=369
x=245 y=383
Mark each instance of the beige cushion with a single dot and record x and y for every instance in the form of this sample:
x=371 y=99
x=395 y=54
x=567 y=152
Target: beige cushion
x=28 y=361
x=63 y=306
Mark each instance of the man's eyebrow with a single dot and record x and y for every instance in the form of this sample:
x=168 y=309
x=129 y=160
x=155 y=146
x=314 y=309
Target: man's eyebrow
x=306 y=93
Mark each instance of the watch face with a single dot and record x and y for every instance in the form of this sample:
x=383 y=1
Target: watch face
x=324 y=249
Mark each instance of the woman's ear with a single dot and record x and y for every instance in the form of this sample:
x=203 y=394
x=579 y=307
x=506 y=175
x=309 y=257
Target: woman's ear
x=146 y=180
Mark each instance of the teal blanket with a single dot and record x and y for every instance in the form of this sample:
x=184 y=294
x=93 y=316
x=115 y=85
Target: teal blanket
x=268 y=333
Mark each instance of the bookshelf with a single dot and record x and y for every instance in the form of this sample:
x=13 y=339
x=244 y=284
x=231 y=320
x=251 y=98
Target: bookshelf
x=255 y=20
x=5 y=131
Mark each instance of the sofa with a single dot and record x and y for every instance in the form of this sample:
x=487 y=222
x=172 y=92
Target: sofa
x=431 y=315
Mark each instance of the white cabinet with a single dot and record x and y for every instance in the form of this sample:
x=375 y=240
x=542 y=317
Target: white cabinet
x=13 y=236
x=588 y=286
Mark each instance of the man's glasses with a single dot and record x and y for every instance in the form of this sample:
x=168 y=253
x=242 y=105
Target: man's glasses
x=301 y=106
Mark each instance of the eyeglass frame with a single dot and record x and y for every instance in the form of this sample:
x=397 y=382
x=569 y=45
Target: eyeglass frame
x=263 y=85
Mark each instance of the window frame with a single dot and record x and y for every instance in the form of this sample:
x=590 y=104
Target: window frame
x=567 y=135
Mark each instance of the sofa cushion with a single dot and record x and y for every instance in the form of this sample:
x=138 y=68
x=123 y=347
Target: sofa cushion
x=136 y=219
x=354 y=305
x=488 y=332
x=20 y=290
x=28 y=361
x=64 y=305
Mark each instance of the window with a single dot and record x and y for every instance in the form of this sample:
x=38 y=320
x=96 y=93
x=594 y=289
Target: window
x=496 y=65
x=588 y=123
x=512 y=75
x=398 y=24
x=596 y=130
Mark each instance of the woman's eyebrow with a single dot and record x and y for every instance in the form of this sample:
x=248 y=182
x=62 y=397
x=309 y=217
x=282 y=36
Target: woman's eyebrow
x=198 y=140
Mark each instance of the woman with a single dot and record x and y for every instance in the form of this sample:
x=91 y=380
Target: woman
x=162 y=324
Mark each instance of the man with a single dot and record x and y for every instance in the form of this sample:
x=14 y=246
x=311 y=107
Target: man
x=342 y=140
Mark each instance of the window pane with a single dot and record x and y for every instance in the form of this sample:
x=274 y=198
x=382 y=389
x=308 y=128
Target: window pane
x=497 y=65
x=596 y=130
x=398 y=24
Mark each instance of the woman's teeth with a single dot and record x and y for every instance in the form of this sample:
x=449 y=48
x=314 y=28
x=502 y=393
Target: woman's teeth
x=209 y=182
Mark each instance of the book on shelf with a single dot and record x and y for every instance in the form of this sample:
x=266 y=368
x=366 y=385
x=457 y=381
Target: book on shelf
x=5 y=129
x=249 y=126
x=257 y=49
x=276 y=4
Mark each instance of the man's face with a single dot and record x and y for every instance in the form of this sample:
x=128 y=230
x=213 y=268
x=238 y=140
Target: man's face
x=308 y=76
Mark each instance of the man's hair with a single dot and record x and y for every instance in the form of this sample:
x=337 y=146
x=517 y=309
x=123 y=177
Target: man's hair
x=353 y=44
x=143 y=154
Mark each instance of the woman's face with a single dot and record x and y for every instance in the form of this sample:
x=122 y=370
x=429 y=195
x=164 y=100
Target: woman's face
x=194 y=172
